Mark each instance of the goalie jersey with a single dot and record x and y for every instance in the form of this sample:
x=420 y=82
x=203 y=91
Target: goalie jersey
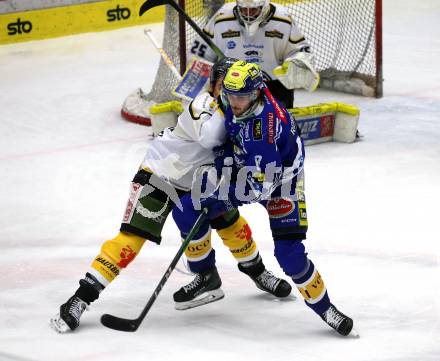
x=176 y=153
x=277 y=38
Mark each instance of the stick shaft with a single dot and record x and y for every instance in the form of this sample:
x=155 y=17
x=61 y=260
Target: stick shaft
x=163 y=54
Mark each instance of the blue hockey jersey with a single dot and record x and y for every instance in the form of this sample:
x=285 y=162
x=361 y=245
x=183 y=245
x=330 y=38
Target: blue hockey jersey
x=267 y=149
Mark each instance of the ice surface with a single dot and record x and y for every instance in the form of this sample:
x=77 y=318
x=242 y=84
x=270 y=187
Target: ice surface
x=66 y=160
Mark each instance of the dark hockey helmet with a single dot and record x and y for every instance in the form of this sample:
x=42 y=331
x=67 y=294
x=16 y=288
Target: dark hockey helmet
x=220 y=68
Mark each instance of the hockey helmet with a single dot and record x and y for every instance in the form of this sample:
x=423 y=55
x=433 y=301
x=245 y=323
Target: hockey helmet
x=242 y=84
x=220 y=68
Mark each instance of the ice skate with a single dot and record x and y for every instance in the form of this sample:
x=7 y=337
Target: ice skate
x=338 y=321
x=270 y=283
x=205 y=288
x=265 y=280
x=68 y=317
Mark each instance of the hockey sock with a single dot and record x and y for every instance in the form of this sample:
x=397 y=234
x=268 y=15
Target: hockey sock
x=199 y=252
x=115 y=255
x=312 y=288
x=238 y=238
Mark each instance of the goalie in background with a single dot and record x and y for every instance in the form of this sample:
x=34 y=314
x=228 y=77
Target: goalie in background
x=164 y=177
x=264 y=33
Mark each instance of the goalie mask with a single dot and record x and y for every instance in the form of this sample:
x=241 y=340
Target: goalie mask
x=252 y=13
x=241 y=88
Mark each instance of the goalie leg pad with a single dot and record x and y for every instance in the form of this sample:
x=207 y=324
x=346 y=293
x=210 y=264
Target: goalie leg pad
x=136 y=108
x=115 y=254
x=238 y=238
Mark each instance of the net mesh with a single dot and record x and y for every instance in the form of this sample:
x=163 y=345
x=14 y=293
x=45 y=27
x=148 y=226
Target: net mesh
x=342 y=35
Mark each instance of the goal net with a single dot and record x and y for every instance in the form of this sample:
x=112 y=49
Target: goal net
x=345 y=36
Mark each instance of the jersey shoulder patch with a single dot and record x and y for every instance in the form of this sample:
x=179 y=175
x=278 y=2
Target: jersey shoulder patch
x=281 y=15
x=226 y=13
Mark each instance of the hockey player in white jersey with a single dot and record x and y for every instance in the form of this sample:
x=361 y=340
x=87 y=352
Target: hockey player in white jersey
x=166 y=175
x=266 y=34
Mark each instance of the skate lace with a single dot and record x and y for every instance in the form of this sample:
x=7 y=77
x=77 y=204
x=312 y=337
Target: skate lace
x=77 y=308
x=333 y=317
x=268 y=280
x=194 y=284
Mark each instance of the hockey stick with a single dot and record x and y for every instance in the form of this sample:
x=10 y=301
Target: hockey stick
x=149 y=4
x=131 y=325
x=163 y=54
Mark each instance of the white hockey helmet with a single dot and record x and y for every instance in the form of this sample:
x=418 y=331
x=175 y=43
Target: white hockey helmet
x=252 y=13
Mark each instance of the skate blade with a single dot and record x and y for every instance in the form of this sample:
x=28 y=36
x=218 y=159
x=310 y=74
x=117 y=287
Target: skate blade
x=354 y=333
x=58 y=324
x=204 y=298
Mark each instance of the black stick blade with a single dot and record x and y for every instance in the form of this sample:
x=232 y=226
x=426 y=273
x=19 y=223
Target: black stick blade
x=149 y=4
x=119 y=324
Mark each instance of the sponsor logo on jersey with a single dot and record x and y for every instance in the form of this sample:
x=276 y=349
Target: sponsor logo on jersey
x=256 y=46
x=274 y=34
x=247 y=136
x=270 y=128
x=231 y=44
x=302 y=214
x=118 y=14
x=230 y=34
x=280 y=207
x=256 y=131
x=253 y=60
x=19 y=27
x=251 y=53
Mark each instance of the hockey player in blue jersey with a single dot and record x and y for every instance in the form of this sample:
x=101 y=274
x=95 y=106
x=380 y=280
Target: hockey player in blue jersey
x=266 y=158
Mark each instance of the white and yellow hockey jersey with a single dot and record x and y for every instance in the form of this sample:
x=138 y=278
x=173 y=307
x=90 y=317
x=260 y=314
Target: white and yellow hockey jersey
x=277 y=39
x=176 y=153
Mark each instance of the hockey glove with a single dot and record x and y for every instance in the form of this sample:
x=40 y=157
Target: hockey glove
x=298 y=72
